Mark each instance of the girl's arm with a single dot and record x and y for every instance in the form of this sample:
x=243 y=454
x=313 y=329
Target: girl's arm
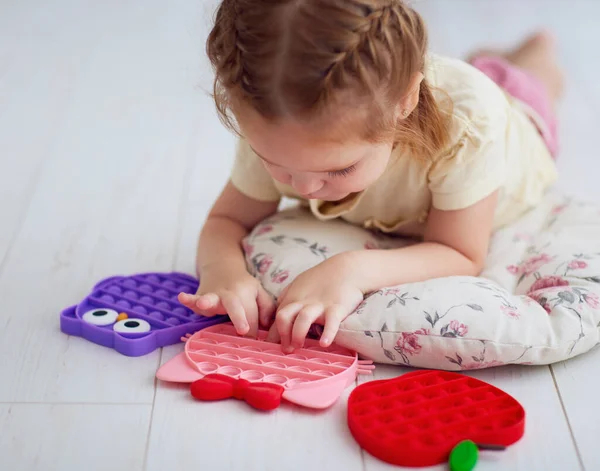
x=231 y=218
x=455 y=243
x=226 y=286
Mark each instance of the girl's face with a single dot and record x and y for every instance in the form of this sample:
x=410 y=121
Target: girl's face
x=316 y=167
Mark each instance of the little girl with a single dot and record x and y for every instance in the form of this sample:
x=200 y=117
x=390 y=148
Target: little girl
x=339 y=105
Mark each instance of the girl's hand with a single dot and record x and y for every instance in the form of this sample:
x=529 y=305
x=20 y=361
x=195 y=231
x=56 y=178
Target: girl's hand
x=240 y=295
x=325 y=294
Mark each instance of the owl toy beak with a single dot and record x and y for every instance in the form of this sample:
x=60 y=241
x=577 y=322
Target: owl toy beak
x=122 y=316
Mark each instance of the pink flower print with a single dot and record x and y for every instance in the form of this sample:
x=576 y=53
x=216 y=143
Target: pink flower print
x=459 y=329
x=408 y=342
x=264 y=264
x=279 y=276
x=389 y=291
x=370 y=245
x=592 y=300
x=533 y=264
x=542 y=301
x=248 y=248
x=519 y=236
x=264 y=230
x=559 y=209
x=510 y=311
x=576 y=264
x=513 y=269
x=548 y=282
x=480 y=365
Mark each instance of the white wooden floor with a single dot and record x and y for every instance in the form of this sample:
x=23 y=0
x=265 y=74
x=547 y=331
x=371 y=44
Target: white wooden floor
x=110 y=155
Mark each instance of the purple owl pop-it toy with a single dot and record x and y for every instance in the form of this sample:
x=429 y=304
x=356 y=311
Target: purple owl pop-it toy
x=136 y=314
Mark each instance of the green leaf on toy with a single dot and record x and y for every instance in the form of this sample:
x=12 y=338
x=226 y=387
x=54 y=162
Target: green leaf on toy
x=464 y=456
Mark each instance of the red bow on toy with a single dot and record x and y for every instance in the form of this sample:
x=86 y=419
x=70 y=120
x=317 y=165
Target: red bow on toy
x=214 y=387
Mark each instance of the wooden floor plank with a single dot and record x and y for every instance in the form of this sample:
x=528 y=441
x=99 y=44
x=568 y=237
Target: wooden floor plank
x=43 y=437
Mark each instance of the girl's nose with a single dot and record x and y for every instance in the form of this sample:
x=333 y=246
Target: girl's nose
x=306 y=185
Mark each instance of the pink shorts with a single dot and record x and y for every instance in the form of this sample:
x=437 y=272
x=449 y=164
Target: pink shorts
x=526 y=88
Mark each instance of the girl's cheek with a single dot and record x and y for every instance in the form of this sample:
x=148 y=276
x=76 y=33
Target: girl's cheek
x=280 y=175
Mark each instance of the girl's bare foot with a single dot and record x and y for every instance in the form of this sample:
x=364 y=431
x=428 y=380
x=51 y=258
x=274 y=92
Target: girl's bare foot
x=537 y=55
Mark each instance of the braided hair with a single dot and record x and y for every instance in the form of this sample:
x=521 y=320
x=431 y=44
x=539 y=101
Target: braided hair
x=314 y=60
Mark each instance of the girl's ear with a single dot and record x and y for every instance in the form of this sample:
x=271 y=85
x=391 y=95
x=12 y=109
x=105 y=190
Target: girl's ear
x=410 y=101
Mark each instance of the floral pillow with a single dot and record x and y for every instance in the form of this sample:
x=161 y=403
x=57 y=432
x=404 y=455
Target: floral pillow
x=536 y=302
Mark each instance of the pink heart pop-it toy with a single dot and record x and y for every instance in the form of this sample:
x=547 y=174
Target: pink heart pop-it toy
x=311 y=376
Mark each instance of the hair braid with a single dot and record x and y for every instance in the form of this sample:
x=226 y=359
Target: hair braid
x=308 y=58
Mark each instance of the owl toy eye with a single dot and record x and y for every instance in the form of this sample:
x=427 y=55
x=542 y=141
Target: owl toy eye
x=101 y=316
x=131 y=326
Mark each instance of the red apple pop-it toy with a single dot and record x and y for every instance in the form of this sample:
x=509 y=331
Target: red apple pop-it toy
x=418 y=418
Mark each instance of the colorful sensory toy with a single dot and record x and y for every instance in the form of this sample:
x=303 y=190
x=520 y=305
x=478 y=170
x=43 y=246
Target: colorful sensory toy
x=220 y=364
x=136 y=314
x=418 y=419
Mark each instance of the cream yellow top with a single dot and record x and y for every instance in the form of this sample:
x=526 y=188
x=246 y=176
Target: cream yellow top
x=495 y=146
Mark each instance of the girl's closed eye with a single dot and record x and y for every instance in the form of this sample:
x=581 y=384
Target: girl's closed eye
x=343 y=172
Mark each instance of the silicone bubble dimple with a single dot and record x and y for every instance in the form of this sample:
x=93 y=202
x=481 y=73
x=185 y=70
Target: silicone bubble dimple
x=124 y=304
x=275 y=364
x=114 y=290
x=252 y=375
x=321 y=361
x=299 y=369
x=168 y=284
x=250 y=348
x=163 y=305
x=153 y=279
x=232 y=371
x=229 y=344
x=130 y=283
x=107 y=299
x=130 y=294
x=296 y=356
x=206 y=367
x=252 y=361
x=275 y=352
x=140 y=309
x=163 y=293
x=323 y=373
x=147 y=300
x=210 y=353
x=275 y=378
x=156 y=315
x=229 y=356
x=180 y=311
x=173 y=321
x=146 y=288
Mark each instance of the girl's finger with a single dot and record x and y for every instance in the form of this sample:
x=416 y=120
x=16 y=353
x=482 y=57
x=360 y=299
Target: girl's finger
x=306 y=317
x=236 y=312
x=208 y=304
x=333 y=318
x=251 y=309
x=207 y=301
x=273 y=335
x=187 y=299
x=266 y=307
x=284 y=320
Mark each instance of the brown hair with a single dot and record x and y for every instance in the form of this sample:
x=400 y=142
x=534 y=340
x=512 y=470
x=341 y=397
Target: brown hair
x=297 y=58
